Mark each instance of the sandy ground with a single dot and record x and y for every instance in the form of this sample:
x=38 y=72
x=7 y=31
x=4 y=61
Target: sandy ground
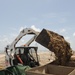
x=2 y=61
x=44 y=58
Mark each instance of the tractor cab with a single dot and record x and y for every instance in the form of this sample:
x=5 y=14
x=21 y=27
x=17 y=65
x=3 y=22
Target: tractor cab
x=26 y=56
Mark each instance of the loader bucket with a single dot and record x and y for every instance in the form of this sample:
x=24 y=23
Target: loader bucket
x=57 y=44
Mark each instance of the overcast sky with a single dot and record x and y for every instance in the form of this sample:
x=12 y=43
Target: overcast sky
x=55 y=15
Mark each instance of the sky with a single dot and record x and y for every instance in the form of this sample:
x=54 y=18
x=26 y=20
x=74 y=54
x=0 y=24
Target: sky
x=54 y=15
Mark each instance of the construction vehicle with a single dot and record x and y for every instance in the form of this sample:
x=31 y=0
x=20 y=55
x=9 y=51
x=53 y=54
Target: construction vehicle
x=22 y=55
x=54 y=42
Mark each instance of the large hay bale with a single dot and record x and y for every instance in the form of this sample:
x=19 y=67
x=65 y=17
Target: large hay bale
x=57 y=44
